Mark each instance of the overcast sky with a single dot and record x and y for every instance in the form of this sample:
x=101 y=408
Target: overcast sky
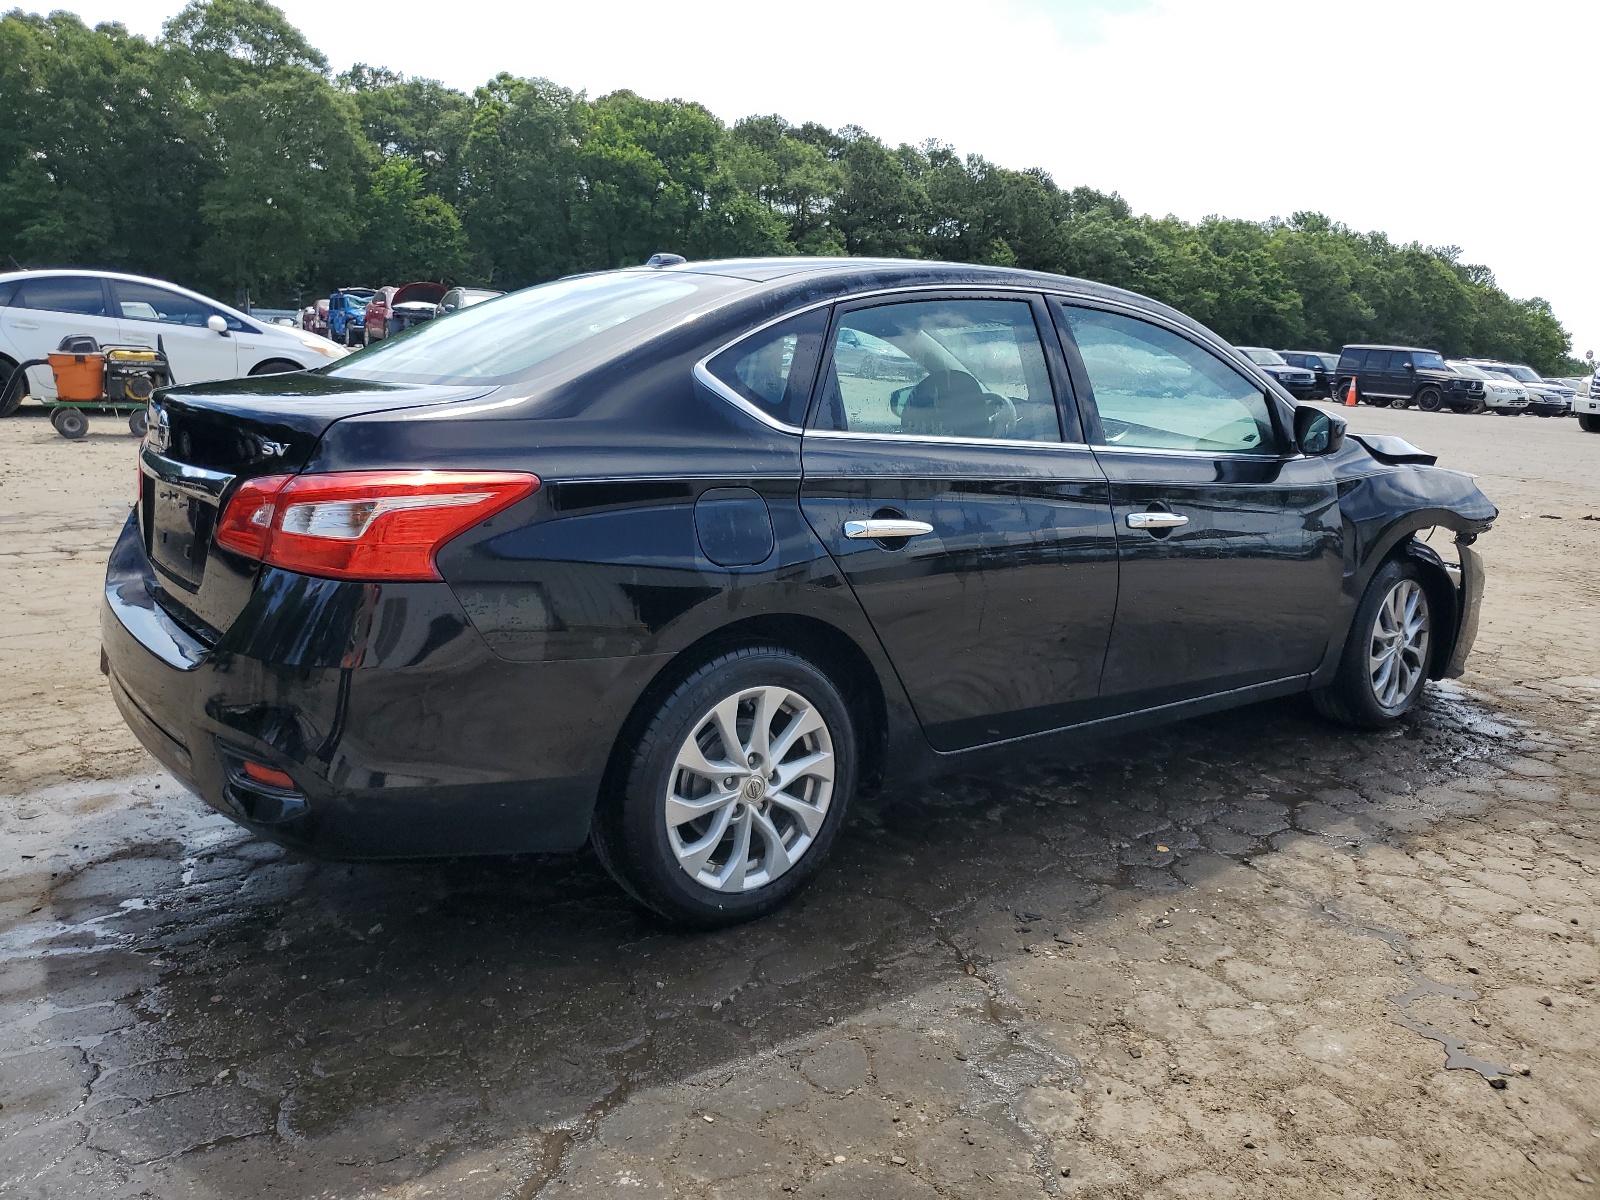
x=1452 y=122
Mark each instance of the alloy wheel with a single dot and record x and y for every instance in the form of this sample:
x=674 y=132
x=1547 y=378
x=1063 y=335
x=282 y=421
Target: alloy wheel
x=1397 y=653
x=750 y=788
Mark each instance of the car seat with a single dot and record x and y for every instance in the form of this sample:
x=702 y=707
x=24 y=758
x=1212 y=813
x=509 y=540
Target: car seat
x=947 y=403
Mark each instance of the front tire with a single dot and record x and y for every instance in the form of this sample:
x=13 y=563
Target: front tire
x=734 y=792
x=1387 y=655
x=1429 y=399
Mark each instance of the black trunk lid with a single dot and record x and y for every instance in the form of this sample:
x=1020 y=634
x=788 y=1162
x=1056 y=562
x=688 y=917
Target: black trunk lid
x=207 y=438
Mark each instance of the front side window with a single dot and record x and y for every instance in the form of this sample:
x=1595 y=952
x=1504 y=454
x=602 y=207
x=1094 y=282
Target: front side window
x=1156 y=390
x=142 y=302
x=773 y=369
x=941 y=368
x=80 y=295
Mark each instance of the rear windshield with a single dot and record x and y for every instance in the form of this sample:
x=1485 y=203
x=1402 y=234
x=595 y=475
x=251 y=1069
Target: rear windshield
x=501 y=339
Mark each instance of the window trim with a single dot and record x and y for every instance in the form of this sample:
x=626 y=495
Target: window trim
x=1060 y=382
x=1286 y=446
x=702 y=370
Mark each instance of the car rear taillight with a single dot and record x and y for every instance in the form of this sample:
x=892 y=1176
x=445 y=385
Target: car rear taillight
x=365 y=525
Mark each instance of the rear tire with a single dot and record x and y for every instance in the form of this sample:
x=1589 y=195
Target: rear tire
x=9 y=402
x=736 y=838
x=1387 y=654
x=1589 y=422
x=1429 y=399
x=139 y=422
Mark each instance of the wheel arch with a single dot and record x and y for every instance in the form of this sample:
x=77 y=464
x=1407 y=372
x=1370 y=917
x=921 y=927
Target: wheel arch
x=282 y=367
x=828 y=647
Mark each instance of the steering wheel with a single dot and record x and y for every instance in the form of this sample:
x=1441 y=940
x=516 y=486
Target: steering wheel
x=1003 y=416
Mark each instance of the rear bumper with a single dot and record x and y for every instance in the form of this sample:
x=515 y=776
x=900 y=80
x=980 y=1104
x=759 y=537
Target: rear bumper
x=404 y=735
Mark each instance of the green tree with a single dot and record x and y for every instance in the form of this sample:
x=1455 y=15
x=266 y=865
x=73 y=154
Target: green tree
x=103 y=153
x=291 y=161
x=408 y=232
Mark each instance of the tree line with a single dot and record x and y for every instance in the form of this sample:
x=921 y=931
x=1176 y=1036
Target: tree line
x=227 y=156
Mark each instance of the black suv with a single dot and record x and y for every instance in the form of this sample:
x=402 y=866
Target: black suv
x=1405 y=375
x=1298 y=382
x=1321 y=364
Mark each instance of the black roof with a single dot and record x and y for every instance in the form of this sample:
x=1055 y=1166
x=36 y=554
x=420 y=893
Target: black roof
x=1366 y=346
x=798 y=277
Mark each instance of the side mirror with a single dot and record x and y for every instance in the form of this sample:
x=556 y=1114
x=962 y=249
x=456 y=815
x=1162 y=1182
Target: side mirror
x=1411 y=366
x=217 y=324
x=1317 y=432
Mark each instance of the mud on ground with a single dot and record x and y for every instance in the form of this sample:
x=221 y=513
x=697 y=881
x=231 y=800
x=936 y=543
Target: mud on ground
x=1230 y=958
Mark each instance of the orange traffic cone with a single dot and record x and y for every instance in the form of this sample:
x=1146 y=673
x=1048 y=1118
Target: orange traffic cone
x=1350 y=396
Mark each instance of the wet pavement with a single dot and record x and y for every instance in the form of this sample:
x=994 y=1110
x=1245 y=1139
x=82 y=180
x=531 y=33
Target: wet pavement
x=987 y=992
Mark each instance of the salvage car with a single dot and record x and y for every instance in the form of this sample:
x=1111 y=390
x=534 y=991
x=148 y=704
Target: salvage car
x=347 y=315
x=1321 y=364
x=458 y=298
x=1545 y=398
x=646 y=558
x=1501 y=393
x=1403 y=376
x=201 y=338
x=1299 y=382
x=411 y=305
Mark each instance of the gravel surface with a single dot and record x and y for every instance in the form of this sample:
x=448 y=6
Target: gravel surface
x=1251 y=955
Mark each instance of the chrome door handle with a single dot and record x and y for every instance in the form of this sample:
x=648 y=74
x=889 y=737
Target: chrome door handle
x=1156 y=520
x=884 y=527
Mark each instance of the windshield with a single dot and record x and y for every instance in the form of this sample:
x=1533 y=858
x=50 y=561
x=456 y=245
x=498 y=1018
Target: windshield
x=500 y=339
x=1468 y=370
x=1427 y=360
x=1525 y=374
x=1263 y=358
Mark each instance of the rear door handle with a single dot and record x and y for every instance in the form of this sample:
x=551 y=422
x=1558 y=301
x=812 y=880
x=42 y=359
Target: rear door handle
x=26 y=325
x=1156 y=520
x=886 y=527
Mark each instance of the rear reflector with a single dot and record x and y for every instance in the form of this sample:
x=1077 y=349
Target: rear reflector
x=363 y=525
x=270 y=776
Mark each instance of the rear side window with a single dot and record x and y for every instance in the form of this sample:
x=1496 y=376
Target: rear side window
x=6 y=291
x=1353 y=360
x=773 y=369
x=80 y=295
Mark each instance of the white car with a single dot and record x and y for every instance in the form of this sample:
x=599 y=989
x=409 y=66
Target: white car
x=1501 y=393
x=1586 y=404
x=203 y=340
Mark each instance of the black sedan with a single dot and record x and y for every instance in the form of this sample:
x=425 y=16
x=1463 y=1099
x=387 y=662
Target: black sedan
x=675 y=560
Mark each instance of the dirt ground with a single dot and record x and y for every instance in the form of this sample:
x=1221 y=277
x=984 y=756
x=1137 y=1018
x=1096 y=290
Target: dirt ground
x=1251 y=955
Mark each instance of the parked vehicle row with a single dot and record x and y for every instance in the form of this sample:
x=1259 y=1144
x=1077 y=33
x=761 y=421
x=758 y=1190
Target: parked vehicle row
x=359 y=316
x=667 y=559
x=201 y=338
x=1407 y=376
